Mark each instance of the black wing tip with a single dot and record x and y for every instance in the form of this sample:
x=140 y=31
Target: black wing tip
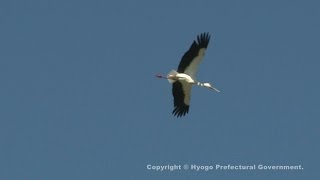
x=180 y=110
x=203 y=39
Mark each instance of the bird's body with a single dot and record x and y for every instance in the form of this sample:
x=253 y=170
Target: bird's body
x=183 y=79
x=174 y=76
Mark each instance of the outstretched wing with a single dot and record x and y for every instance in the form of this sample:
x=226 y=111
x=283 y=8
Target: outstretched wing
x=181 y=92
x=192 y=58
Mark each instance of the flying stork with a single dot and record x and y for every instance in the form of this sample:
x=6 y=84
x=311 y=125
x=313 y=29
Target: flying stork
x=183 y=79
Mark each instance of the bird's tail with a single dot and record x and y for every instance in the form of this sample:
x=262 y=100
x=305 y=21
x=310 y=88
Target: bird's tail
x=172 y=73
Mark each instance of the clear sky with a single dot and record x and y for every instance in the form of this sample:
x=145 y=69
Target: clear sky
x=79 y=100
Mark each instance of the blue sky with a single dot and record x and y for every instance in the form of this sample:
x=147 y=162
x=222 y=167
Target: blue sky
x=79 y=99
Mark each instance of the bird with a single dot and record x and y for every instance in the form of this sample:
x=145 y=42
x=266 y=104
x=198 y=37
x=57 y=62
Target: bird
x=184 y=78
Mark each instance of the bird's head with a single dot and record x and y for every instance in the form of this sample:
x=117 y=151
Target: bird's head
x=208 y=85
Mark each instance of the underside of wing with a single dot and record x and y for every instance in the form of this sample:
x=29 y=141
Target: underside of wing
x=192 y=58
x=181 y=92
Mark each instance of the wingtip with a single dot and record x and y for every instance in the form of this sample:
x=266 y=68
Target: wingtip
x=203 y=39
x=180 y=111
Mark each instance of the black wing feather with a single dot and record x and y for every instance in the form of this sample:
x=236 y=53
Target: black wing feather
x=180 y=108
x=202 y=42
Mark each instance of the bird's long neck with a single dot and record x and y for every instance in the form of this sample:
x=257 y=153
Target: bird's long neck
x=200 y=84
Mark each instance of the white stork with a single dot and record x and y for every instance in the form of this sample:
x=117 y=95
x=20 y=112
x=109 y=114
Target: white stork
x=183 y=79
